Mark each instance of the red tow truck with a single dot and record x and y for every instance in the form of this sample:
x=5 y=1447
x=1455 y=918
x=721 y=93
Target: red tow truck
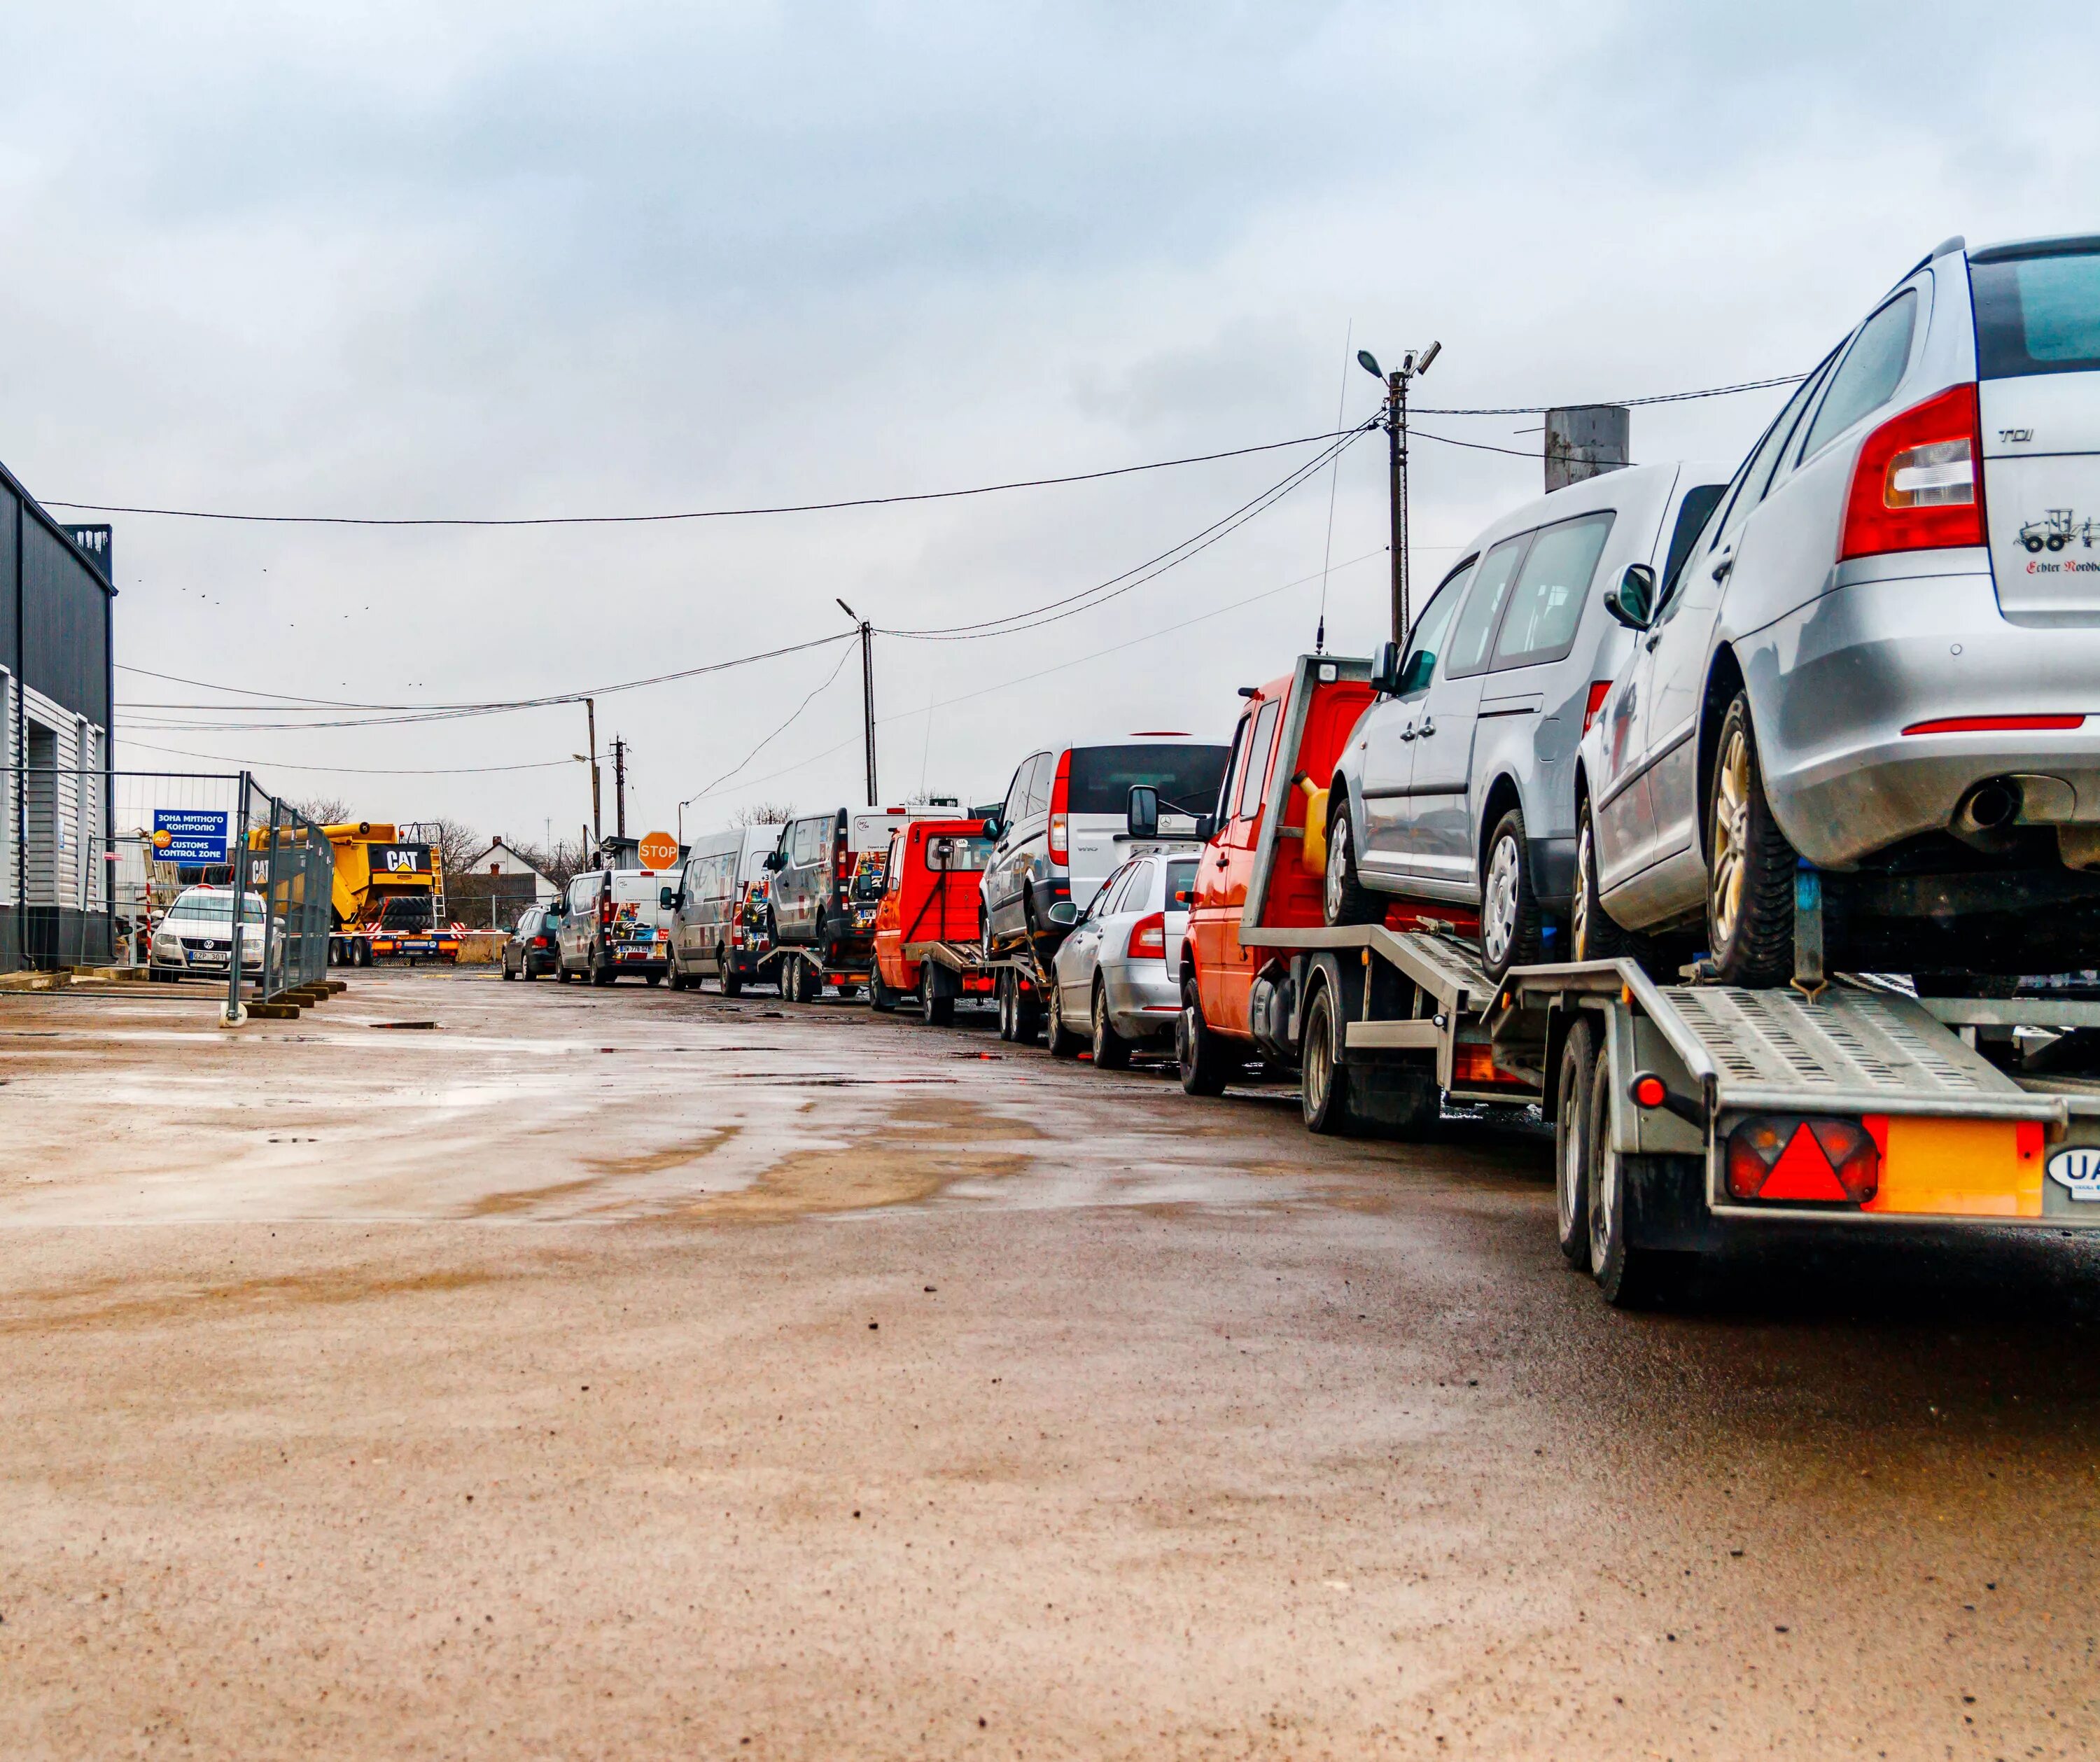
x=926 y=924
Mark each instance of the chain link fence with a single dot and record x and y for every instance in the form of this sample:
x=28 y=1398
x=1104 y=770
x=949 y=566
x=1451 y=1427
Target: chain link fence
x=138 y=869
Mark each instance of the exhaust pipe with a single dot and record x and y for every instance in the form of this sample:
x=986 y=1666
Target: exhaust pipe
x=1986 y=817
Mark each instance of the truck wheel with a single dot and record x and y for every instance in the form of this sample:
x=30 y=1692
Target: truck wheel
x=1206 y=1069
x=937 y=1009
x=1027 y=1014
x=1111 y=1050
x=1323 y=1080
x=1509 y=908
x=1631 y=1278
x=602 y=974
x=1343 y=899
x=880 y=998
x=1749 y=881
x=732 y=981
x=1571 y=1145
x=1065 y=1043
x=561 y=971
x=803 y=984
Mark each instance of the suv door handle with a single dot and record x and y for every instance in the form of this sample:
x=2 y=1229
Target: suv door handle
x=1408 y=732
x=1428 y=728
x=1221 y=859
x=1723 y=563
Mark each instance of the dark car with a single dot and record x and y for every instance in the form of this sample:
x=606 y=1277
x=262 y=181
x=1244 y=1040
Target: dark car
x=530 y=950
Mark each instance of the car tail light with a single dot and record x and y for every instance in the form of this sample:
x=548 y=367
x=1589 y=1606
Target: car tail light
x=1812 y=1160
x=1148 y=938
x=605 y=911
x=1995 y=724
x=1599 y=690
x=1060 y=820
x=1916 y=486
x=539 y=942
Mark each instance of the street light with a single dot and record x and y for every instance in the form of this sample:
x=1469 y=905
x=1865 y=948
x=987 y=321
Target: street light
x=1412 y=366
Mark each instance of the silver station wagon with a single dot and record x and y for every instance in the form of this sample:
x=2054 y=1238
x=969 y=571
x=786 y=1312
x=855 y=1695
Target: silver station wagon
x=1457 y=787
x=1882 y=660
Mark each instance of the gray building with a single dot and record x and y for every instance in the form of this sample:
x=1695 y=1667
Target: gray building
x=57 y=685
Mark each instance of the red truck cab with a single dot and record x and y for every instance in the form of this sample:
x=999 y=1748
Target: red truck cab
x=930 y=895
x=1284 y=753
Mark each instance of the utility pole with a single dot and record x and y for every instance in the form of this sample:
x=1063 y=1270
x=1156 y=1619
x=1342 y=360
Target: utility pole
x=620 y=788
x=1412 y=366
x=867 y=695
x=597 y=817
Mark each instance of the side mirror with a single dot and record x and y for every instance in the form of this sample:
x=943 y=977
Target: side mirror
x=1385 y=674
x=990 y=829
x=1207 y=827
x=668 y=898
x=1632 y=602
x=1144 y=818
x=774 y=860
x=1063 y=911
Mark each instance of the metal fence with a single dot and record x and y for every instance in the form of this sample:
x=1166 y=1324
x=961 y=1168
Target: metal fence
x=93 y=860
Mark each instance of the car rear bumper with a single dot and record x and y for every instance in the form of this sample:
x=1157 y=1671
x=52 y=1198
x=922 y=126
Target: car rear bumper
x=1834 y=685
x=1143 y=1000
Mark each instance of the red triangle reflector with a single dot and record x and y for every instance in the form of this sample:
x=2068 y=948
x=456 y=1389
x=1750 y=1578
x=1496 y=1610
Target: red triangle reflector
x=1803 y=1171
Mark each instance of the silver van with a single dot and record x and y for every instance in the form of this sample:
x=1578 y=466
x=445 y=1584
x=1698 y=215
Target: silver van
x=613 y=922
x=705 y=897
x=1457 y=787
x=1064 y=827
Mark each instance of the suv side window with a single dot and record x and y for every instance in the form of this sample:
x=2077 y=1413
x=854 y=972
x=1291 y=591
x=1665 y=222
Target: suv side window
x=1257 y=759
x=1427 y=642
x=1693 y=513
x=1552 y=590
x=1872 y=369
x=1476 y=625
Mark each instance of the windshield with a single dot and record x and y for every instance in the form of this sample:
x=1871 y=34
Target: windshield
x=216 y=908
x=2038 y=313
x=1187 y=777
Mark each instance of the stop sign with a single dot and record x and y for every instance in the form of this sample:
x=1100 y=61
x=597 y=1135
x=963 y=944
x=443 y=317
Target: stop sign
x=659 y=850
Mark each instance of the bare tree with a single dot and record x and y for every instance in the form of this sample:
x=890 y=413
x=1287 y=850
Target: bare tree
x=455 y=845
x=763 y=814
x=560 y=862
x=326 y=811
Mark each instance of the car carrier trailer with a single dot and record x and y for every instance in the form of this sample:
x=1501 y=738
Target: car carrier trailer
x=1685 y=1116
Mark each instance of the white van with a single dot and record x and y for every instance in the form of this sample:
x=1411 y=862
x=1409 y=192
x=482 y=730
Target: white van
x=615 y=921
x=704 y=900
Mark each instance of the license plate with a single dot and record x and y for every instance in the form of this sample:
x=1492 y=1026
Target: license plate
x=636 y=954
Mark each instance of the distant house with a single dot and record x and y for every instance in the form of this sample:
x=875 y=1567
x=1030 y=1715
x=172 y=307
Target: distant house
x=491 y=888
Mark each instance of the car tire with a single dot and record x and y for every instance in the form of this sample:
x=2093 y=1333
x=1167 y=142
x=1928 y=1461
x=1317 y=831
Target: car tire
x=1206 y=1068
x=1111 y=1050
x=1343 y=898
x=507 y=973
x=1027 y=1014
x=1750 y=878
x=1592 y=933
x=1572 y=1142
x=732 y=982
x=937 y=1009
x=1630 y=1277
x=880 y=998
x=560 y=974
x=653 y=979
x=1064 y=1042
x=678 y=980
x=1510 y=922
x=1323 y=1080
x=602 y=975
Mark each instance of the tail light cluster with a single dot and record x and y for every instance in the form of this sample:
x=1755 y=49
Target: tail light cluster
x=1803 y=1159
x=1148 y=938
x=1599 y=690
x=1061 y=819
x=1918 y=484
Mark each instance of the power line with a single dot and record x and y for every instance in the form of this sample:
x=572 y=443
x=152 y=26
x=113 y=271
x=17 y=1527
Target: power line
x=1117 y=585
x=1658 y=397
x=420 y=713
x=700 y=514
x=348 y=771
x=753 y=753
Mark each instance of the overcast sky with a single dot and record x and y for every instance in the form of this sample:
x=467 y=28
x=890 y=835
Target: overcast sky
x=407 y=259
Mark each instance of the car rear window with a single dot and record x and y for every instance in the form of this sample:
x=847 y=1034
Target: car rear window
x=1187 y=777
x=1551 y=591
x=2038 y=313
x=947 y=852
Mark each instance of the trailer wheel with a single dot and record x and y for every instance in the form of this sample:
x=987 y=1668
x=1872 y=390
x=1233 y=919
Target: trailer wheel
x=732 y=981
x=1323 y=1080
x=1027 y=1014
x=1111 y=1050
x=1571 y=1145
x=1631 y=1278
x=937 y=1009
x=802 y=984
x=1065 y=1042
x=1206 y=1069
x=1343 y=899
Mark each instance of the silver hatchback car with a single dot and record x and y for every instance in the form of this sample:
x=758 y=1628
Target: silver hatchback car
x=1117 y=984
x=1882 y=658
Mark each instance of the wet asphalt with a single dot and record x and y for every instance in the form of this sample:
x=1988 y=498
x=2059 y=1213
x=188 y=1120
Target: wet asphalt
x=631 y=1373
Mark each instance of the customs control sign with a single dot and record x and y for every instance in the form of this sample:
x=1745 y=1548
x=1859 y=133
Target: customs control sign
x=190 y=835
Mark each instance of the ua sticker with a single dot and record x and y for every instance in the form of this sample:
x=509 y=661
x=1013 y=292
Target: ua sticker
x=2077 y=1169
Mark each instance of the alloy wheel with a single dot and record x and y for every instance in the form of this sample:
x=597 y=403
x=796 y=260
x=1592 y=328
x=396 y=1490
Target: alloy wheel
x=1336 y=879
x=1578 y=928
x=1731 y=826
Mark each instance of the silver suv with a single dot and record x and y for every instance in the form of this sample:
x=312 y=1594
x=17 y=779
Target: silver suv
x=1880 y=659
x=1457 y=787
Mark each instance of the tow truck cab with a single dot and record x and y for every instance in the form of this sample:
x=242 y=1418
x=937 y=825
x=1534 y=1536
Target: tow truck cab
x=930 y=895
